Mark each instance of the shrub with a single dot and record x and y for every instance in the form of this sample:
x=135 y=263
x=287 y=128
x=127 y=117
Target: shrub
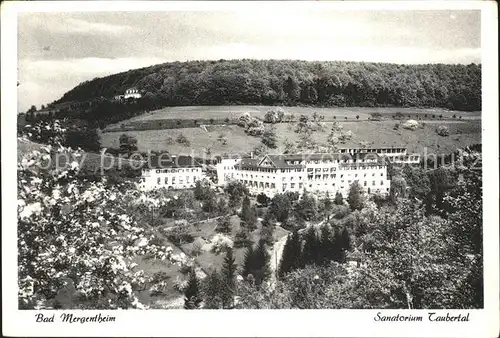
x=197 y=246
x=220 y=243
x=255 y=131
x=179 y=233
x=274 y=115
x=224 y=225
x=263 y=199
x=181 y=139
x=410 y=125
x=443 y=131
x=241 y=239
x=179 y=284
x=340 y=211
x=269 y=138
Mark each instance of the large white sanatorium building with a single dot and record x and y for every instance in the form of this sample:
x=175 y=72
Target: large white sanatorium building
x=319 y=173
x=171 y=172
x=273 y=174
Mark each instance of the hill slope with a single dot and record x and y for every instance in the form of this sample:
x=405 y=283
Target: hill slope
x=292 y=82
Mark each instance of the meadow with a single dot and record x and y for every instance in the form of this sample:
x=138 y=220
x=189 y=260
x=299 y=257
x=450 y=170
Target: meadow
x=376 y=133
x=193 y=116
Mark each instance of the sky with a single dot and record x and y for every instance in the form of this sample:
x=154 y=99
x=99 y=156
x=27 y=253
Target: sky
x=57 y=51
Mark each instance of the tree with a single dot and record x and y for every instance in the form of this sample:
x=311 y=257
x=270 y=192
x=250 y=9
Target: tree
x=228 y=274
x=417 y=182
x=291 y=257
x=241 y=238
x=325 y=250
x=306 y=208
x=310 y=252
x=280 y=81
x=357 y=117
x=263 y=199
x=269 y=138
x=345 y=239
x=261 y=269
x=339 y=200
x=465 y=214
x=280 y=207
x=248 y=261
x=326 y=204
x=248 y=214
x=398 y=188
x=292 y=89
x=236 y=191
x=355 y=198
x=128 y=144
x=337 y=254
x=68 y=227
x=182 y=139
x=266 y=234
x=192 y=296
x=224 y=224
x=212 y=290
x=256 y=263
x=180 y=232
x=32 y=109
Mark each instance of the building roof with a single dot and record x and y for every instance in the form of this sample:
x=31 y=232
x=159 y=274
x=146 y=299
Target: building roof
x=173 y=161
x=282 y=161
x=248 y=163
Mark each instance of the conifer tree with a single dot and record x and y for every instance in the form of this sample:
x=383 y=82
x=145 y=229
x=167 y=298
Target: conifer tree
x=327 y=204
x=326 y=245
x=212 y=290
x=267 y=229
x=311 y=246
x=228 y=276
x=339 y=200
x=192 y=297
x=261 y=267
x=306 y=208
x=291 y=257
x=248 y=214
x=354 y=198
x=245 y=209
x=336 y=250
x=285 y=265
x=248 y=261
x=252 y=218
x=345 y=239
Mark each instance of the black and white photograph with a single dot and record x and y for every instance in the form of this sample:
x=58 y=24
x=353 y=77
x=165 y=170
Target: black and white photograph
x=271 y=156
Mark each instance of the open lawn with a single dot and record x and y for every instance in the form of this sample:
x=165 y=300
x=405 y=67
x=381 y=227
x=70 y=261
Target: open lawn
x=194 y=116
x=377 y=133
x=208 y=260
x=233 y=112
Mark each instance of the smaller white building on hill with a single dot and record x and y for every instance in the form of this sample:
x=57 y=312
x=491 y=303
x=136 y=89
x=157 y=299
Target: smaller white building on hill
x=171 y=172
x=132 y=92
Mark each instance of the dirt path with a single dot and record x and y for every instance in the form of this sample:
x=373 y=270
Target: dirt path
x=177 y=303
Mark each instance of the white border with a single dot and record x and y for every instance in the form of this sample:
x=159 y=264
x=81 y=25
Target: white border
x=484 y=323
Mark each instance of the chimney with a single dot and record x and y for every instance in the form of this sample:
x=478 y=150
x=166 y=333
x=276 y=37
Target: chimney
x=251 y=154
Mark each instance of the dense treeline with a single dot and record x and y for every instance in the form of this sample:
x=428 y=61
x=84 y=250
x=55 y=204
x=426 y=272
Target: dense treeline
x=293 y=83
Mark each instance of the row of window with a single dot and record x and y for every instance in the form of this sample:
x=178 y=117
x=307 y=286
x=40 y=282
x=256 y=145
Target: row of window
x=170 y=171
x=166 y=180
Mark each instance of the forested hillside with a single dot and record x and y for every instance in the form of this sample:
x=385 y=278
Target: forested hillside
x=291 y=82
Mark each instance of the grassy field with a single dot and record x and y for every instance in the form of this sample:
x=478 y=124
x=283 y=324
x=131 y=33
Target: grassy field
x=233 y=112
x=377 y=133
x=208 y=260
